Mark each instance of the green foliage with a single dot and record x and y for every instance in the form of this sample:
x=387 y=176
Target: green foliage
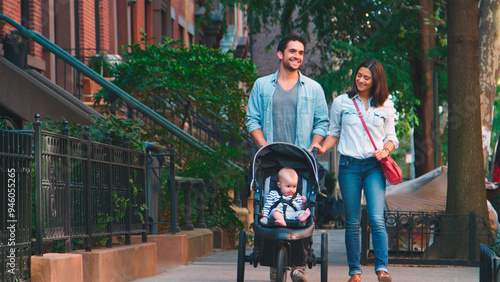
x=121 y=130
x=342 y=34
x=351 y=32
x=135 y=191
x=200 y=79
x=120 y=205
x=496 y=120
x=212 y=168
x=224 y=216
x=100 y=65
x=190 y=83
x=330 y=183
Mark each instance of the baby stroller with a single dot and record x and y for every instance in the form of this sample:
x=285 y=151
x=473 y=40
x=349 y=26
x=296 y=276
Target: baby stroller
x=277 y=246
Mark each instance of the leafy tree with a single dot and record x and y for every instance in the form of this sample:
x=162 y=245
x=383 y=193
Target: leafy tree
x=344 y=33
x=427 y=136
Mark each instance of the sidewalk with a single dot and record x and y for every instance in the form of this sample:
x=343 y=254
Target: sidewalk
x=221 y=266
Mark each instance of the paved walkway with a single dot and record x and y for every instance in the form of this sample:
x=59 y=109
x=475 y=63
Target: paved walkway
x=221 y=266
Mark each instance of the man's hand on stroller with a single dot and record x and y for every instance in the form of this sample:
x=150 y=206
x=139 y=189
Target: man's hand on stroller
x=313 y=145
x=319 y=148
x=316 y=141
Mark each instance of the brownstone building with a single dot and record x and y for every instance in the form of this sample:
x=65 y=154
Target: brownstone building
x=85 y=28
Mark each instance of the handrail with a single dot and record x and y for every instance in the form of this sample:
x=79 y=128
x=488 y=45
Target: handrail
x=131 y=101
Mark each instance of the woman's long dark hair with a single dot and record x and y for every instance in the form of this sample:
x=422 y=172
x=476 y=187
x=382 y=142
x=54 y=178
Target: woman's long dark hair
x=379 y=90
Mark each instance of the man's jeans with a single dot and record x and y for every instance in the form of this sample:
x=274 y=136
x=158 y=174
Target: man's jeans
x=354 y=174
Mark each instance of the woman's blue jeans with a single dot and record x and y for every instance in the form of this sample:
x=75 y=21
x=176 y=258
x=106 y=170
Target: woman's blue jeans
x=354 y=175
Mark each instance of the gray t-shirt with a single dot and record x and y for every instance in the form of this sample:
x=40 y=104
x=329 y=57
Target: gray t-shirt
x=285 y=114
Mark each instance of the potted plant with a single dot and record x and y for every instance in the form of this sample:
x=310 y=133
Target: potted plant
x=15 y=48
x=101 y=65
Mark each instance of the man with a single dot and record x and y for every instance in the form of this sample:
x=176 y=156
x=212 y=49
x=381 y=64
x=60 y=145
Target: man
x=288 y=107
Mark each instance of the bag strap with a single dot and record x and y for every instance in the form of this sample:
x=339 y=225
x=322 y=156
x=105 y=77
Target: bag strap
x=360 y=115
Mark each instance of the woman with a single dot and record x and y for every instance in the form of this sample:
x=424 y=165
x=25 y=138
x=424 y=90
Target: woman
x=359 y=165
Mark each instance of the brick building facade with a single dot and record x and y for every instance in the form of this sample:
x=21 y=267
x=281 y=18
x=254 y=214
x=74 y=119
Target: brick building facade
x=88 y=27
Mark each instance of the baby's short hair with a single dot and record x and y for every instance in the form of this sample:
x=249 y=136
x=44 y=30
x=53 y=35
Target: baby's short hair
x=286 y=171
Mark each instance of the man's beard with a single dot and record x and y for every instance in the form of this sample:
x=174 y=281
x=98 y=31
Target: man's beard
x=288 y=66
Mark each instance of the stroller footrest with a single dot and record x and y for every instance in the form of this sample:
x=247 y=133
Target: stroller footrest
x=289 y=222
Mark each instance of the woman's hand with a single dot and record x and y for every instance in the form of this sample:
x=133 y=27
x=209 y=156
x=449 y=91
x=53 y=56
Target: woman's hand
x=380 y=154
x=385 y=152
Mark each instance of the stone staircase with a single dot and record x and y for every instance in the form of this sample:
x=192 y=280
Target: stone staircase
x=26 y=92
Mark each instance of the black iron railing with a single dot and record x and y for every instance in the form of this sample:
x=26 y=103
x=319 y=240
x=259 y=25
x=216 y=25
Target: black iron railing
x=130 y=101
x=76 y=82
x=489 y=265
x=158 y=167
x=86 y=189
x=424 y=238
x=16 y=161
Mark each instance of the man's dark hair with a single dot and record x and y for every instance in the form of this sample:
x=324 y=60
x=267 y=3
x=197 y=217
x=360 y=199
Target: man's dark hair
x=292 y=37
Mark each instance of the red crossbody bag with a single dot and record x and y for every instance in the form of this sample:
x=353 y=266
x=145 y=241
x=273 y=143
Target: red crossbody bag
x=391 y=170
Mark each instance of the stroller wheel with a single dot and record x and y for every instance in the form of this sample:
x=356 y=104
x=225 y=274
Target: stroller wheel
x=241 y=257
x=281 y=263
x=324 y=257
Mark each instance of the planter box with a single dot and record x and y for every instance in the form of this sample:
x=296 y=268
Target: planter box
x=54 y=267
x=223 y=240
x=122 y=263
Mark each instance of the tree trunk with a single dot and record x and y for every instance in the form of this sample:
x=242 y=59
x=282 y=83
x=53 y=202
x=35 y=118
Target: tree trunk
x=425 y=140
x=466 y=187
x=489 y=71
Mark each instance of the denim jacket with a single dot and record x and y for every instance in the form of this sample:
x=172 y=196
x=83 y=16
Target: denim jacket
x=354 y=141
x=312 y=111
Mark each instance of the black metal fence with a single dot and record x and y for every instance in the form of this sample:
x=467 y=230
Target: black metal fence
x=86 y=189
x=16 y=161
x=489 y=265
x=424 y=238
x=155 y=169
x=82 y=189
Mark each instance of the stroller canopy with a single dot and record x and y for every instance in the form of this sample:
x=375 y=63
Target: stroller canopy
x=271 y=158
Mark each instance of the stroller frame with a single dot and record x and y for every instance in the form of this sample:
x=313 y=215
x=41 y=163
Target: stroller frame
x=277 y=246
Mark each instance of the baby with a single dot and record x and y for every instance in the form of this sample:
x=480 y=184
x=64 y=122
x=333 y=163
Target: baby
x=287 y=205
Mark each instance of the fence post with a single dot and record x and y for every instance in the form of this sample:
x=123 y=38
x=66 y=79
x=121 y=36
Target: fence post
x=129 y=194
x=472 y=237
x=237 y=197
x=212 y=191
x=38 y=186
x=173 y=194
x=88 y=191
x=66 y=170
x=187 y=186
x=109 y=178
x=200 y=220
